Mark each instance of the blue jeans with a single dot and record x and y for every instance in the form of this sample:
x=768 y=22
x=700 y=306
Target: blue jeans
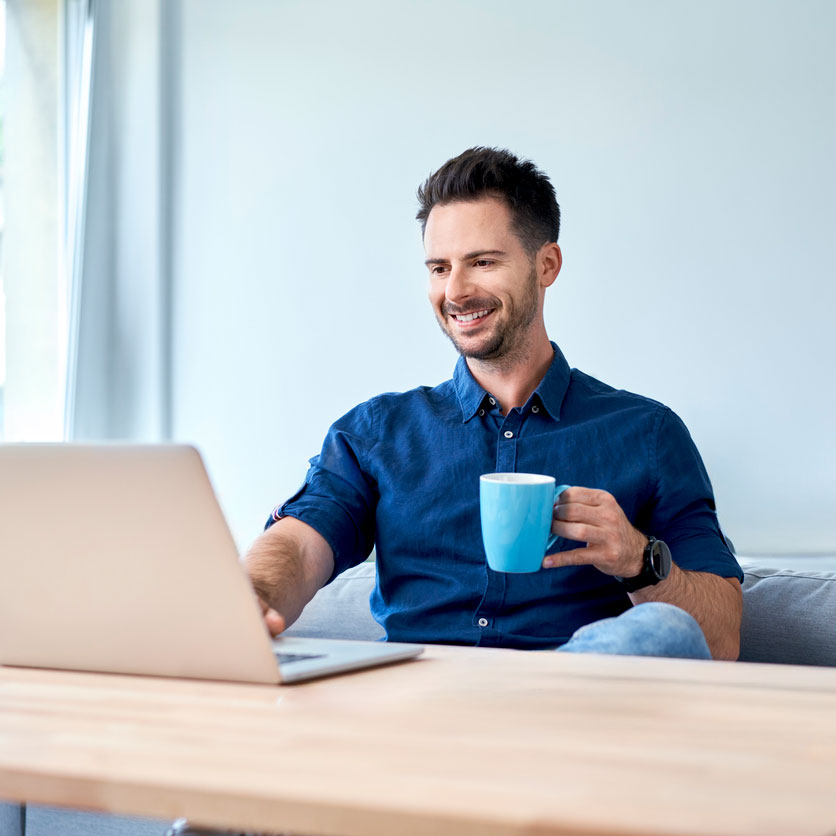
x=652 y=629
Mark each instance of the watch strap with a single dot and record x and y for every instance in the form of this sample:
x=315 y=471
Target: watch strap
x=649 y=574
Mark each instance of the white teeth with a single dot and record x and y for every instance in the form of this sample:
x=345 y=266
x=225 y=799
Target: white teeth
x=471 y=316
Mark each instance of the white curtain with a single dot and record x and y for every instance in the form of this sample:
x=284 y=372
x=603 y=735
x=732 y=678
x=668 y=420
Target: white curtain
x=119 y=339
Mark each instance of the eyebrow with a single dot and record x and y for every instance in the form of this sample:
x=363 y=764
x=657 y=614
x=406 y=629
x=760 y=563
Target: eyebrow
x=467 y=257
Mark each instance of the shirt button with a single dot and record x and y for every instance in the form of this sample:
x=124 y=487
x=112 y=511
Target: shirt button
x=508 y=434
x=481 y=412
x=483 y=622
x=535 y=409
x=491 y=401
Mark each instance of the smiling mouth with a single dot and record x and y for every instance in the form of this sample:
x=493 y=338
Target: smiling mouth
x=474 y=316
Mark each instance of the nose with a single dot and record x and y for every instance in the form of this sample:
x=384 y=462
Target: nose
x=459 y=286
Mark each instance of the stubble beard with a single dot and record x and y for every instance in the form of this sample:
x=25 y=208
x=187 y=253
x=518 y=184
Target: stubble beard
x=508 y=339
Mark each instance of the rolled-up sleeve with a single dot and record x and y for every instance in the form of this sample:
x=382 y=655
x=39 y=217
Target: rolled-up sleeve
x=684 y=513
x=339 y=496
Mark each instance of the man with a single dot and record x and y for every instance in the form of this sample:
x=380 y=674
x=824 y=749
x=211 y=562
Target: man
x=402 y=471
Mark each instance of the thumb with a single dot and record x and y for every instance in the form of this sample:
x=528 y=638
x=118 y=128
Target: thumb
x=274 y=621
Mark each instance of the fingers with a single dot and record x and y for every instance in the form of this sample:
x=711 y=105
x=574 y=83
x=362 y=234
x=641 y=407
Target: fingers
x=603 y=508
x=273 y=620
x=585 y=496
x=580 y=532
x=589 y=521
x=594 y=517
x=573 y=557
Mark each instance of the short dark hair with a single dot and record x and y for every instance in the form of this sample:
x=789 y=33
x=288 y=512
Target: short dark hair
x=493 y=172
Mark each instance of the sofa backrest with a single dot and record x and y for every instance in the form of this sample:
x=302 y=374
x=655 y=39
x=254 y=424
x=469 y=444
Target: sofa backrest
x=789 y=617
x=341 y=609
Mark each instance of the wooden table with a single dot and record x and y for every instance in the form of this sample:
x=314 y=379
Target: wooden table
x=459 y=742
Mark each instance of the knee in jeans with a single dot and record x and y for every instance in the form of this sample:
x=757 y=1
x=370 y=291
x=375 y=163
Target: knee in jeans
x=671 y=617
x=670 y=613
x=651 y=629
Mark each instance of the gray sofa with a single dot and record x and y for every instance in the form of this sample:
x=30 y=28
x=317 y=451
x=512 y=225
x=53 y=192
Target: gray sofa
x=789 y=617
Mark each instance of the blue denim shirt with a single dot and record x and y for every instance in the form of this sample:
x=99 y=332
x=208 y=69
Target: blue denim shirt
x=401 y=472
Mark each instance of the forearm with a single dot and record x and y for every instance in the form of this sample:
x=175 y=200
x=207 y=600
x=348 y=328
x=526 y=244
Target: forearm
x=287 y=565
x=716 y=603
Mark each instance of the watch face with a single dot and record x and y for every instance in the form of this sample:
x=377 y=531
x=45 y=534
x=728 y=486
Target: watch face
x=660 y=557
x=656 y=557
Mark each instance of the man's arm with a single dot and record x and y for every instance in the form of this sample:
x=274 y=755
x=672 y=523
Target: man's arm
x=615 y=547
x=287 y=565
x=716 y=603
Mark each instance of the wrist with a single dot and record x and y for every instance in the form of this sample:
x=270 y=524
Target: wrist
x=655 y=567
x=636 y=555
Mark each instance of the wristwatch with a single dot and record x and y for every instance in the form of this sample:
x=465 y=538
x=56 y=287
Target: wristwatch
x=656 y=566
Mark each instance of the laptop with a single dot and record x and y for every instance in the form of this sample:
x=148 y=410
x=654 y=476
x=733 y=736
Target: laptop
x=117 y=559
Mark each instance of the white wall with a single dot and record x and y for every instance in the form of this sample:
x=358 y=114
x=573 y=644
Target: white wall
x=691 y=145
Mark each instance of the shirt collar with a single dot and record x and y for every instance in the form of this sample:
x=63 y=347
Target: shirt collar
x=550 y=391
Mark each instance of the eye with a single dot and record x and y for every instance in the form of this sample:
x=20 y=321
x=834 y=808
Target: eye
x=482 y=262
x=438 y=269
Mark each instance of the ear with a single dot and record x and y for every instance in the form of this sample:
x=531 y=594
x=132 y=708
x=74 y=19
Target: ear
x=549 y=262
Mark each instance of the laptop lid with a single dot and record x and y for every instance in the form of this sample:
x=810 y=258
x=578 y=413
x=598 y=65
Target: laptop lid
x=118 y=559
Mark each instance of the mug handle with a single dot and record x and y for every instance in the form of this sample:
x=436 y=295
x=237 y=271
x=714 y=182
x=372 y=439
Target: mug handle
x=553 y=538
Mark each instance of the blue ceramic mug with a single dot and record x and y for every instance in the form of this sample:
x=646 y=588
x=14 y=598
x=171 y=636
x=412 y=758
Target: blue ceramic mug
x=516 y=511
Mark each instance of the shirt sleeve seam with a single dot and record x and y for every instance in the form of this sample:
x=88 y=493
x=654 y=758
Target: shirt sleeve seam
x=375 y=425
x=653 y=487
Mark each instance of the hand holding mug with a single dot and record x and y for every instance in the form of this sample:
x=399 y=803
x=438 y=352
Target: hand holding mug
x=613 y=544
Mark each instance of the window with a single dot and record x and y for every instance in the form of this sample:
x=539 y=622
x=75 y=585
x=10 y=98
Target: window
x=2 y=217
x=32 y=283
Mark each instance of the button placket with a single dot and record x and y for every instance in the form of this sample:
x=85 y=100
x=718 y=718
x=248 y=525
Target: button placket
x=486 y=612
x=506 y=443
x=506 y=460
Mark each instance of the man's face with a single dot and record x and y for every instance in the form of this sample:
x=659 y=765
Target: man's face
x=483 y=286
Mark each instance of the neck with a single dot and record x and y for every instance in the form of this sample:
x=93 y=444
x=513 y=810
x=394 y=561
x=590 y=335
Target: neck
x=512 y=380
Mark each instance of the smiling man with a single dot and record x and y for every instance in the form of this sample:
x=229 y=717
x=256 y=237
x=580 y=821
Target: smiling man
x=641 y=566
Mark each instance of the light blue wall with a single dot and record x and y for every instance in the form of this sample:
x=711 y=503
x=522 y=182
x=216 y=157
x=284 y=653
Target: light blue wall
x=692 y=148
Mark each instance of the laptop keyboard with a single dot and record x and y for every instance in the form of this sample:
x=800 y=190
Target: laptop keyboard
x=288 y=658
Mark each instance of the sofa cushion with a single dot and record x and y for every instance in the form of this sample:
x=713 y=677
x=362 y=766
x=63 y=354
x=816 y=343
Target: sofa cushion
x=57 y=821
x=789 y=617
x=11 y=818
